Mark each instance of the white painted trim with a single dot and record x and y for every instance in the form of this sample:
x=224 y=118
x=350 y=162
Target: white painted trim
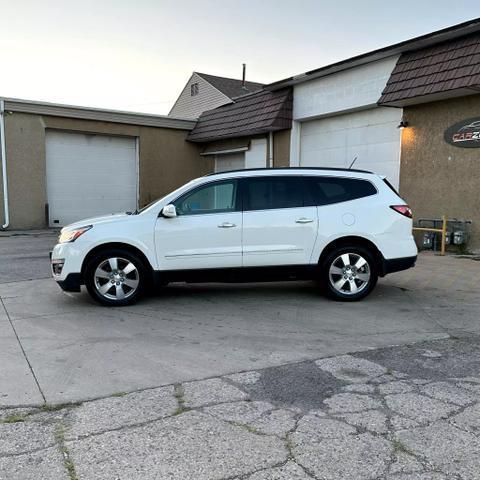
x=137 y=168
x=219 y=152
x=295 y=143
x=4 y=166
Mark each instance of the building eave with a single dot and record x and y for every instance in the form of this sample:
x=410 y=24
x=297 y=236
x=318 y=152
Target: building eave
x=98 y=114
x=422 y=41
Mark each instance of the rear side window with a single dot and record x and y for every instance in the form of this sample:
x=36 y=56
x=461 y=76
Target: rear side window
x=267 y=193
x=328 y=190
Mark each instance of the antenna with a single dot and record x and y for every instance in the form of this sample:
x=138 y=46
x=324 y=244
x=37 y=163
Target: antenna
x=351 y=165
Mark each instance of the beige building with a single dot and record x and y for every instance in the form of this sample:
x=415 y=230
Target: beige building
x=66 y=163
x=438 y=178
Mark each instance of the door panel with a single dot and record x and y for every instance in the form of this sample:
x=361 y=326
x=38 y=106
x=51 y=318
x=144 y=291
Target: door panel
x=199 y=241
x=279 y=237
x=277 y=228
x=207 y=231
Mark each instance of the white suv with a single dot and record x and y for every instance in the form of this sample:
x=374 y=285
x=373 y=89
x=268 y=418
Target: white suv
x=344 y=228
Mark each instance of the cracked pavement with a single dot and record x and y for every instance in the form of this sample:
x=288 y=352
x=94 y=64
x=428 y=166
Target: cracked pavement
x=396 y=413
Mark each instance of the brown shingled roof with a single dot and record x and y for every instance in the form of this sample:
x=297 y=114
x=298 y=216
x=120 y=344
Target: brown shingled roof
x=260 y=112
x=448 y=66
x=231 y=87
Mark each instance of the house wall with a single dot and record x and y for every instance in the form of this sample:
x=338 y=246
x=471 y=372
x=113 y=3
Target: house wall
x=208 y=97
x=437 y=178
x=166 y=161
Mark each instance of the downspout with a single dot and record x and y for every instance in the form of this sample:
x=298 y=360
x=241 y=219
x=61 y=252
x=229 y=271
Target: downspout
x=4 y=165
x=270 y=150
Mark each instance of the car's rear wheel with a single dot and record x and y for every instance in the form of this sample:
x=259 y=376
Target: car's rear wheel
x=350 y=273
x=115 y=277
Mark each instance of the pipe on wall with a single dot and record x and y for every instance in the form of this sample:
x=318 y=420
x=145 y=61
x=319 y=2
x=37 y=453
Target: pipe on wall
x=270 y=150
x=4 y=165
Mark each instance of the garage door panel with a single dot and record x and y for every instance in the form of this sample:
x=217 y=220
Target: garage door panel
x=370 y=135
x=89 y=175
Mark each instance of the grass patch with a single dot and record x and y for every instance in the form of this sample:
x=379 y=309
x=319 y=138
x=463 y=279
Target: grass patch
x=119 y=394
x=399 y=447
x=14 y=418
x=48 y=407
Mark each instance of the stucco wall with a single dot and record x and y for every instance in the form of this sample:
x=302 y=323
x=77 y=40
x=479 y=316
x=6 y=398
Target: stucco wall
x=437 y=178
x=166 y=161
x=281 y=148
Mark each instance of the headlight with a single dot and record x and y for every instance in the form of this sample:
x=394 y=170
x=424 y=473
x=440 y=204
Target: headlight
x=68 y=236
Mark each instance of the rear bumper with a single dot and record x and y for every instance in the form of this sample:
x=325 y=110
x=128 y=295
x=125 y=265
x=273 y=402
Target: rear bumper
x=71 y=283
x=398 y=264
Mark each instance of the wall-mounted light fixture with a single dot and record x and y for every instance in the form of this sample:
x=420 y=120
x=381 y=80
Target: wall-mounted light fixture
x=403 y=124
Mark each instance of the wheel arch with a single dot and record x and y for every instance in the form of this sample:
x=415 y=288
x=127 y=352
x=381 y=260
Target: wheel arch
x=116 y=245
x=354 y=240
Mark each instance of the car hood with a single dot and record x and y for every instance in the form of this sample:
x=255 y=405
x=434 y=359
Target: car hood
x=114 y=217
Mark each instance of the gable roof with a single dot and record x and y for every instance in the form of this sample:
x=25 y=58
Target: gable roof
x=231 y=87
x=447 y=67
x=253 y=114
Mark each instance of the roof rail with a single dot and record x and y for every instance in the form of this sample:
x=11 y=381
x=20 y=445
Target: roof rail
x=326 y=169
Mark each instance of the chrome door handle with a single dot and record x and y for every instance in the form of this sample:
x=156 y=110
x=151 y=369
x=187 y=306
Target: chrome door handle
x=226 y=225
x=304 y=220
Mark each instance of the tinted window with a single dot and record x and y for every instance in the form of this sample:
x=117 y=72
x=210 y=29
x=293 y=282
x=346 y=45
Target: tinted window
x=213 y=198
x=328 y=190
x=266 y=193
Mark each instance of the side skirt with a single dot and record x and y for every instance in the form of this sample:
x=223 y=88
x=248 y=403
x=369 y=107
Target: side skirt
x=240 y=274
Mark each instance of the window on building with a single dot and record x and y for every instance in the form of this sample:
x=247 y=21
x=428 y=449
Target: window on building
x=328 y=190
x=273 y=192
x=194 y=89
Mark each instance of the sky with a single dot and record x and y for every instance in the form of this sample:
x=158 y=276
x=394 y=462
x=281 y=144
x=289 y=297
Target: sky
x=137 y=55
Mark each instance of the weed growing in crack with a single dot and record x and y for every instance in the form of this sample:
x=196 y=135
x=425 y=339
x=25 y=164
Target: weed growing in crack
x=67 y=461
x=14 y=418
x=179 y=394
x=399 y=447
x=47 y=407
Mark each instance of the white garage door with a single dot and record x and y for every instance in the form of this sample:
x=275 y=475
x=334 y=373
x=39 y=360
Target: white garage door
x=229 y=161
x=370 y=135
x=89 y=175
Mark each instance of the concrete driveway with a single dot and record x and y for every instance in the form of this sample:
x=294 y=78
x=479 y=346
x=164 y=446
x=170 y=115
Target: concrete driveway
x=59 y=348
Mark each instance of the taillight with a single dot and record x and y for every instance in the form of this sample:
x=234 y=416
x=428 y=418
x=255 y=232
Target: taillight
x=404 y=210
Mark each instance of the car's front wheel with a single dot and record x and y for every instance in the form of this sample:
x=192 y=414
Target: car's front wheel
x=350 y=273
x=115 y=277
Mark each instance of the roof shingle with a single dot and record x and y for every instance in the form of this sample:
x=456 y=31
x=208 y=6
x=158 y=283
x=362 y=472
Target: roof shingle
x=231 y=87
x=447 y=66
x=260 y=112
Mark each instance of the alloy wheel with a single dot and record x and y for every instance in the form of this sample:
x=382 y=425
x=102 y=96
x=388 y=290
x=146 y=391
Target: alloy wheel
x=349 y=273
x=116 y=278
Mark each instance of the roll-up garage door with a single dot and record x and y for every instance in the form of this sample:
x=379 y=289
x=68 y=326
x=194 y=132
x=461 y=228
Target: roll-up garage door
x=89 y=175
x=370 y=135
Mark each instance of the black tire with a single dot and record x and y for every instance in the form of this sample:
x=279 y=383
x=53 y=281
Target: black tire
x=338 y=285
x=132 y=282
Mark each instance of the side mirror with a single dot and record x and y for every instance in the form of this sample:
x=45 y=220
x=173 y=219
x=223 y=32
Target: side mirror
x=169 y=211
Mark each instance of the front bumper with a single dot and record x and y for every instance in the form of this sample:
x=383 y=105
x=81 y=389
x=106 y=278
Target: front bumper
x=71 y=283
x=398 y=264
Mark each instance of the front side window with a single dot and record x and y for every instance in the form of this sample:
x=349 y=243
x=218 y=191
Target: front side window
x=216 y=197
x=194 y=89
x=328 y=190
x=267 y=193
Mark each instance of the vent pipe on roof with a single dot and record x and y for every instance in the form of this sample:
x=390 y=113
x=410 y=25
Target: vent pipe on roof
x=3 y=157
x=244 y=71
